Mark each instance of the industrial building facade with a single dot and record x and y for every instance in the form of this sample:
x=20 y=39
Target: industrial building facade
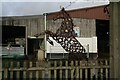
x=89 y=22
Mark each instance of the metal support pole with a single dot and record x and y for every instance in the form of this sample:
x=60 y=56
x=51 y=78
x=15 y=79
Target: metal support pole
x=45 y=20
x=88 y=51
x=26 y=40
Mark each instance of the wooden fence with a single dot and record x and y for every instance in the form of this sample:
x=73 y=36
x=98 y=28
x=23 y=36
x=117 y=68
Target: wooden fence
x=56 y=70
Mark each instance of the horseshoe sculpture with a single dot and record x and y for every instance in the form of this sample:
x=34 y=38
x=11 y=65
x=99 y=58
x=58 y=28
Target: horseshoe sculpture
x=65 y=35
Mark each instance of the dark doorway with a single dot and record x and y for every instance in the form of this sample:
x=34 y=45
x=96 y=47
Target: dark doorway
x=102 y=33
x=9 y=33
x=33 y=46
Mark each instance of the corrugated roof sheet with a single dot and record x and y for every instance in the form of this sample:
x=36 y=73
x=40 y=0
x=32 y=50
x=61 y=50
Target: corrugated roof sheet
x=87 y=13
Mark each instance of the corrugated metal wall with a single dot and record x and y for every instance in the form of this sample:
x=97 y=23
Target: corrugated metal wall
x=87 y=26
x=35 y=24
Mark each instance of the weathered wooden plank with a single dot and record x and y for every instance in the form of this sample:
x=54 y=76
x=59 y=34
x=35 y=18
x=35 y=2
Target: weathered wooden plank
x=11 y=72
x=24 y=71
x=5 y=73
x=66 y=71
x=37 y=72
x=101 y=74
x=80 y=69
x=72 y=70
x=22 y=22
x=18 y=72
x=55 y=72
x=41 y=26
x=86 y=73
x=33 y=27
x=49 y=71
x=43 y=74
x=77 y=70
x=38 y=25
x=114 y=40
x=52 y=68
x=96 y=69
x=91 y=73
x=106 y=70
x=60 y=70
x=28 y=28
x=30 y=75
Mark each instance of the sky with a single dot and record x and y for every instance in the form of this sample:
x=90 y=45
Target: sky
x=24 y=7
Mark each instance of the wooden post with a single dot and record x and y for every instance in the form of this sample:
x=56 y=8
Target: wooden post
x=106 y=70
x=86 y=73
x=24 y=72
x=11 y=70
x=37 y=72
x=72 y=70
x=115 y=40
x=6 y=71
x=49 y=70
x=66 y=71
x=77 y=71
x=43 y=72
x=86 y=70
x=91 y=70
x=55 y=64
x=60 y=70
x=1 y=64
x=30 y=71
x=41 y=55
x=18 y=72
x=80 y=69
x=96 y=69
x=101 y=73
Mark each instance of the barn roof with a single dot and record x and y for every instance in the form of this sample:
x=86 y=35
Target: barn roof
x=86 y=13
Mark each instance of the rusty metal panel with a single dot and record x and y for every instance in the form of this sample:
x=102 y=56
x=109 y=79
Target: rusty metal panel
x=86 y=13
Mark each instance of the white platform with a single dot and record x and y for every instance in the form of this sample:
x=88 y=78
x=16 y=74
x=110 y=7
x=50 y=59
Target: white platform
x=57 y=48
